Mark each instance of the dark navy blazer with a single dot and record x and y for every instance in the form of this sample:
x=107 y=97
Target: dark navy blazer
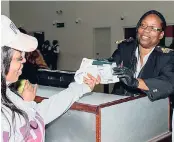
x=157 y=73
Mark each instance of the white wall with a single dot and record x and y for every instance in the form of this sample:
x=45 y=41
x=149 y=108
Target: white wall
x=76 y=40
x=5 y=8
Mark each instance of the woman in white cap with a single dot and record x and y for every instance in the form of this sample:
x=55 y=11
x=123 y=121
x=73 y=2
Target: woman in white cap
x=21 y=118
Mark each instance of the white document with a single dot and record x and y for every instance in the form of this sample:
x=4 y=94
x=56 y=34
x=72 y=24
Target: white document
x=94 y=67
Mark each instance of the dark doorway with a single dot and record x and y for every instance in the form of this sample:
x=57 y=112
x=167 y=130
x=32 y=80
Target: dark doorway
x=40 y=37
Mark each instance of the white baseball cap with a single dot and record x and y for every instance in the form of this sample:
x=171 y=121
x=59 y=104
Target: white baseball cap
x=12 y=37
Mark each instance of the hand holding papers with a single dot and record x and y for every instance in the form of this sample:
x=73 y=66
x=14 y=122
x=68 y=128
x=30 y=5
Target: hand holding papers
x=103 y=68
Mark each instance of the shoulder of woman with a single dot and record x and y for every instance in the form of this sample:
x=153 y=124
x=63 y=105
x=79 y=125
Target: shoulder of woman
x=128 y=40
x=164 y=50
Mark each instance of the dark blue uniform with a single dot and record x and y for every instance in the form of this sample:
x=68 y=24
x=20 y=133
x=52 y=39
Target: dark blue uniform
x=157 y=73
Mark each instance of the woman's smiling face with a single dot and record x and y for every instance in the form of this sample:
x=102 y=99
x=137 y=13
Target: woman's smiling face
x=150 y=31
x=16 y=66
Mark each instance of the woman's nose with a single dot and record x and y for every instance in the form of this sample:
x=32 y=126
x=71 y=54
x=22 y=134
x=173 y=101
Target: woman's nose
x=24 y=60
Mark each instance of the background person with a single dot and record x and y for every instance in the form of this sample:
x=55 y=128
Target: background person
x=54 y=54
x=45 y=50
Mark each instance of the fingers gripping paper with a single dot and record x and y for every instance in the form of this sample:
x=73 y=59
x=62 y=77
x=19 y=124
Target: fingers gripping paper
x=96 y=67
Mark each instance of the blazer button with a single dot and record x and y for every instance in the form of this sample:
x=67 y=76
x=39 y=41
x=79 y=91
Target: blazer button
x=155 y=90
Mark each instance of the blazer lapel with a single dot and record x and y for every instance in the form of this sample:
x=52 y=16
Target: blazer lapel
x=149 y=68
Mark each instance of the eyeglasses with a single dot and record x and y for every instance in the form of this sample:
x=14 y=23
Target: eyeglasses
x=21 y=57
x=150 y=28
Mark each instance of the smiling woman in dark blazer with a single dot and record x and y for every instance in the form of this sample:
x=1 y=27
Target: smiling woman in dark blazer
x=144 y=66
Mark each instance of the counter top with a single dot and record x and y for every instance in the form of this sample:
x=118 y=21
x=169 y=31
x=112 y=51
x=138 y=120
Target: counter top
x=92 y=98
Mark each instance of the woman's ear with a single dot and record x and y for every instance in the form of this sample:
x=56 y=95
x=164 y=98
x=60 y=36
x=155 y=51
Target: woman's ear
x=161 y=35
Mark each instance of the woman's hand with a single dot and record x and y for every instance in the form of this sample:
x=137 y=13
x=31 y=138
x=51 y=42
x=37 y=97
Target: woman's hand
x=29 y=91
x=126 y=76
x=91 y=81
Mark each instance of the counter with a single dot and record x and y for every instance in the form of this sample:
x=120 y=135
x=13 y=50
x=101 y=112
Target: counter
x=100 y=117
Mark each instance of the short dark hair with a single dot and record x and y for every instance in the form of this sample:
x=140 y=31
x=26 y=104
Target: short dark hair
x=55 y=42
x=46 y=42
x=156 y=13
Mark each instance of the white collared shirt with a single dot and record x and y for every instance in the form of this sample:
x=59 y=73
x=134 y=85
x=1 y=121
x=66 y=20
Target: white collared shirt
x=139 y=66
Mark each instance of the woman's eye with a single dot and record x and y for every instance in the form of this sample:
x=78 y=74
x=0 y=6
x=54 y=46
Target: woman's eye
x=20 y=59
x=143 y=25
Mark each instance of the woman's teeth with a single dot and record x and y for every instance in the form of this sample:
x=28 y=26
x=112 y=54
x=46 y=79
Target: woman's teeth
x=145 y=37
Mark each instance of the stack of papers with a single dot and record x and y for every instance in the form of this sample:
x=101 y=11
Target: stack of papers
x=96 y=67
